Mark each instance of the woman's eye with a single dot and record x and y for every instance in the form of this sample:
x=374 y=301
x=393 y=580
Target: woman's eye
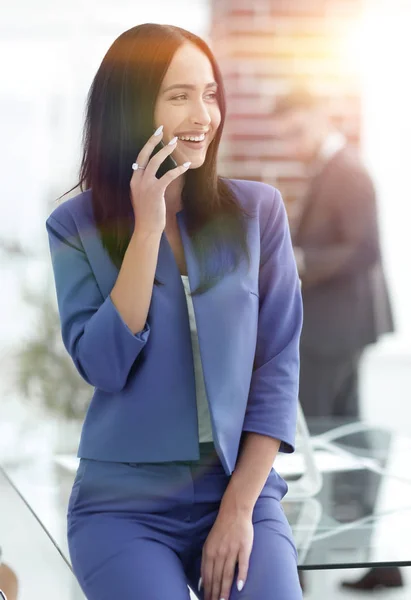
x=179 y=97
x=211 y=96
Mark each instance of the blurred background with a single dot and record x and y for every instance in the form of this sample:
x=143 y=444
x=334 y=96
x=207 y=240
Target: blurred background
x=353 y=54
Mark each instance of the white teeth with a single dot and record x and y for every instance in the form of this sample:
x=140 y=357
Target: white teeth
x=192 y=138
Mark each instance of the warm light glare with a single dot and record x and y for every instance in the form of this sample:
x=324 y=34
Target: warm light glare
x=377 y=42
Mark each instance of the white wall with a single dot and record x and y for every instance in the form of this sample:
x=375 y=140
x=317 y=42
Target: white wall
x=383 y=50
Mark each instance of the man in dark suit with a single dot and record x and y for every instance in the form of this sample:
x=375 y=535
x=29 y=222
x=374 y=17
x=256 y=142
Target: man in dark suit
x=346 y=304
x=336 y=241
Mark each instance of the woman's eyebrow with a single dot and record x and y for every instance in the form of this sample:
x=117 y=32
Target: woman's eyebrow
x=187 y=86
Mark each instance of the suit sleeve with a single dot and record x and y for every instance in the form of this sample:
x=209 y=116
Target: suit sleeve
x=272 y=402
x=357 y=246
x=102 y=346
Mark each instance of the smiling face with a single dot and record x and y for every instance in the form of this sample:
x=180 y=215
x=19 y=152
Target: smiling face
x=187 y=105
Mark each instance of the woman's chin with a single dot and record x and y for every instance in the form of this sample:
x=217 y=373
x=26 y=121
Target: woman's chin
x=195 y=164
x=196 y=161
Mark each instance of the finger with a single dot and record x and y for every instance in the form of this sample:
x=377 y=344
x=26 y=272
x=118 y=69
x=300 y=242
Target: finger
x=148 y=148
x=227 y=579
x=243 y=564
x=155 y=162
x=172 y=174
x=201 y=580
x=137 y=173
x=218 y=570
x=207 y=575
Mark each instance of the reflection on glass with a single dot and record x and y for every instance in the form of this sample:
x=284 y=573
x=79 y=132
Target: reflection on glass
x=33 y=566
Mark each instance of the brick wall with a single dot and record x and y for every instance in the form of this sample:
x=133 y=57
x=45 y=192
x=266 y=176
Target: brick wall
x=262 y=46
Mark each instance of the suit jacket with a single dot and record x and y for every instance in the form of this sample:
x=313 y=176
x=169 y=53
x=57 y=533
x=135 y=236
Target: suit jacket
x=144 y=407
x=346 y=304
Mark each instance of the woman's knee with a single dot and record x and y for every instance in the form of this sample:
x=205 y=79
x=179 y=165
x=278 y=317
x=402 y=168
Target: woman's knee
x=272 y=571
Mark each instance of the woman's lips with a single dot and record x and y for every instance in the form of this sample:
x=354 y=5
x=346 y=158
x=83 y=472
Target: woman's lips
x=192 y=145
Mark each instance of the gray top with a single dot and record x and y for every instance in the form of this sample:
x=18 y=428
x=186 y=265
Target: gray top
x=204 y=421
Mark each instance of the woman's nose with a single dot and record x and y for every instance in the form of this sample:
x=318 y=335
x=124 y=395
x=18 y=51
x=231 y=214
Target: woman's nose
x=201 y=114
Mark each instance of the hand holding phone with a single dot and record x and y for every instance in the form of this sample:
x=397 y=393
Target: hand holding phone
x=167 y=164
x=153 y=172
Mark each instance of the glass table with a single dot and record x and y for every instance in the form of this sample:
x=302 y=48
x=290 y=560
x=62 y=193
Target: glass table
x=358 y=516
x=361 y=515
x=41 y=568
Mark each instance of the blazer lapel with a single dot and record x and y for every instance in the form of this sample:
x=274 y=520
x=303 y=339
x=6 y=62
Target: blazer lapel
x=166 y=264
x=105 y=270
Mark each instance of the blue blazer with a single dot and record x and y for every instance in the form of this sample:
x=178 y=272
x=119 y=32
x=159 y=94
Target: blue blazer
x=144 y=406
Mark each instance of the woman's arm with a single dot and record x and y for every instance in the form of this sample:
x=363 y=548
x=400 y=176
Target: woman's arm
x=133 y=289
x=272 y=401
x=103 y=336
x=255 y=461
x=270 y=420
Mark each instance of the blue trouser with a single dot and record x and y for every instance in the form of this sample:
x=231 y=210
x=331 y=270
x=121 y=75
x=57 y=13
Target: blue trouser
x=136 y=531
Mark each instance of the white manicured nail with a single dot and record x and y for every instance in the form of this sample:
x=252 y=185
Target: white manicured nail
x=186 y=165
x=173 y=141
x=200 y=583
x=159 y=130
x=240 y=585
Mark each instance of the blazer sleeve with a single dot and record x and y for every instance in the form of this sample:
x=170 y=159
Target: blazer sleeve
x=357 y=247
x=102 y=346
x=273 y=397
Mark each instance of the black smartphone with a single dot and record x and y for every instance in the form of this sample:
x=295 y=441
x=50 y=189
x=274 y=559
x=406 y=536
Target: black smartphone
x=167 y=164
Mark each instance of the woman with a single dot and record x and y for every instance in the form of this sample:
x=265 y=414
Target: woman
x=180 y=303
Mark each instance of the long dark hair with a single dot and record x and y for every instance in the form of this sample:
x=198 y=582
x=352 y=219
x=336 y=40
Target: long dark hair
x=119 y=121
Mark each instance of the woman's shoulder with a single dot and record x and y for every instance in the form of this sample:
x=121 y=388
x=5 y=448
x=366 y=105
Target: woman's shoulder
x=73 y=214
x=257 y=198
